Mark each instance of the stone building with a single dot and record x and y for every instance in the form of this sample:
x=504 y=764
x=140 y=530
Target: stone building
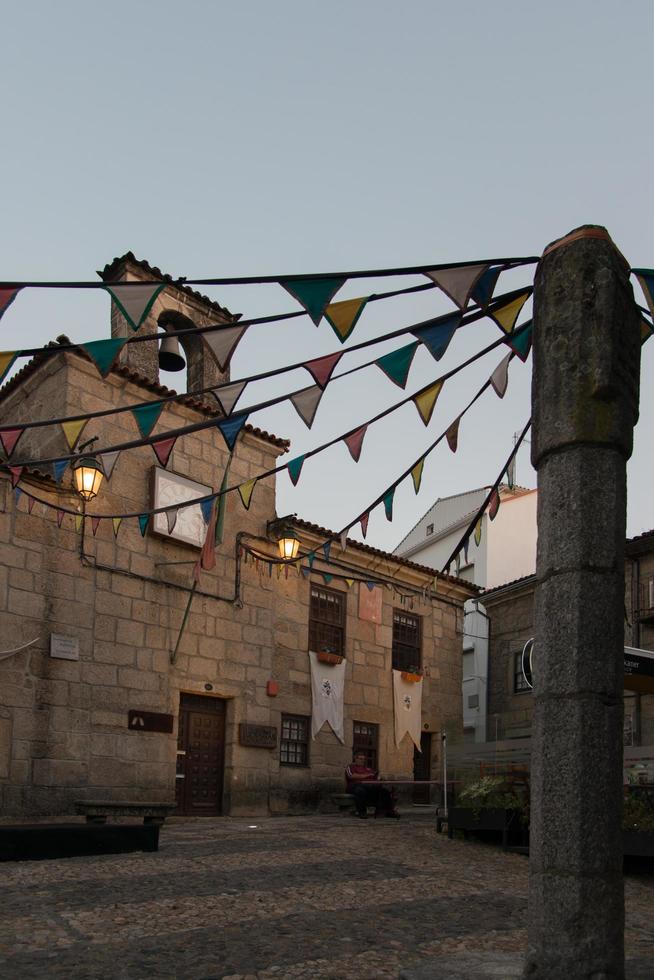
x=103 y=694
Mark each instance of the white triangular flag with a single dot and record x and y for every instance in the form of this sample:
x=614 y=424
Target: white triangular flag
x=306 y=403
x=500 y=376
x=222 y=343
x=228 y=395
x=459 y=283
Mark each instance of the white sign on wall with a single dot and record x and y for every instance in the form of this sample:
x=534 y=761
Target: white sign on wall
x=64 y=647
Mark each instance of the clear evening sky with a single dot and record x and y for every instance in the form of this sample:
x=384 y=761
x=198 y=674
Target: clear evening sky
x=225 y=139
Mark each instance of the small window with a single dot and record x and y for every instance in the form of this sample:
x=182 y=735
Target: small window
x=294 y=743
x=519 y=682
x=407 y=646
x=327 y=621
x=430 y=529
x=366 y=740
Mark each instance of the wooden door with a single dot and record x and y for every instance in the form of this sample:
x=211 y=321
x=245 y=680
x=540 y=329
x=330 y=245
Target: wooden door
x=200 y=755
x=422 y=768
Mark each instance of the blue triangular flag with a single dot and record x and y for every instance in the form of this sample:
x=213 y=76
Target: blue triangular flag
x=437 y=334
x=17 y=493
x=60 y=467
x=327 y=545
x=305 y=571
x=231 y=427
x=484 y=288
x=206 y=506
x=371 y=585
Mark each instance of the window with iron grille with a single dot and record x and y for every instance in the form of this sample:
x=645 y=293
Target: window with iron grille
x=327 y=621
x=294 y=743
x=519 y=682
x=366 y=740
x=407 y=646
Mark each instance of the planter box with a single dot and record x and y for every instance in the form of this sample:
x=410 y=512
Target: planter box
x=330 y=658
x=492 y=820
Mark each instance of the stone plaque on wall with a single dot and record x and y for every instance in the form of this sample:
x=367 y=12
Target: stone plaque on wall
x=370 y=603
x=64 y=647
x=257 y=736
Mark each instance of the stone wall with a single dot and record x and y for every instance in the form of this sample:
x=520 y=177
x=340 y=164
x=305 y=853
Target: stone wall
x=511 y=614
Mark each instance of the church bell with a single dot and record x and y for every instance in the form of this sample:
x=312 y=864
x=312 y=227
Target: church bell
x=170 y=358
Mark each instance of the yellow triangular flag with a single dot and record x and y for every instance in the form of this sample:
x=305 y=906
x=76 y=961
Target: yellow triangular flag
x=426 y=400
x=506 y=316
x=116 y=521
x=416 y=474
x=78 y=522
x=350 y=582
x=478 y=531
x=343 y=315
x=245 y=492
x=298 y=565
x=6 y=360
x=73 y=430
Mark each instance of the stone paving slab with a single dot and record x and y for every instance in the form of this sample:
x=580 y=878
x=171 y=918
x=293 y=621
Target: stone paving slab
x=325 y=897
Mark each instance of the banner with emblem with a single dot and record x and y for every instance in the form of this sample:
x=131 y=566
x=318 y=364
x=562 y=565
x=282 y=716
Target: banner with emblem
x=407 y=703
x=327 y=685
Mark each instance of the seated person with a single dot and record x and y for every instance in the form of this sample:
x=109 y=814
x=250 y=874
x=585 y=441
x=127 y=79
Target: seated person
x=357 y=775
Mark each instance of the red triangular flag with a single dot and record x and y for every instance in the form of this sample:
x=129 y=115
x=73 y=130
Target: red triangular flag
x=95 y=523
x=322 y=367
x=163 y=448
x=15 y=474
x=355 y=441
x=60 y=517
x=208 y=553
x=9 y=438
x=7 y=296
x=493 y=505
x=364 y=523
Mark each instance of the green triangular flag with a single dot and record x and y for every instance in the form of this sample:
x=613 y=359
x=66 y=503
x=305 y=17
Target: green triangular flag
x=397 y=364
x=295 y=468
x=520 y=340
x=143 y=523
x=146 y=416
x=388 y=504
x=313 y=294
x=104 y=352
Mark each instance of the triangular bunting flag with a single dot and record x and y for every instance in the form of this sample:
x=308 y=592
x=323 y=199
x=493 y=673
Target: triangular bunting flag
x=295 y=468
x=370 y=586
x=493 y=505
x=30 y=504
x=228 y=395
x=364 y=523
x=143 y=523
x=73 y=430
x=245 y=492
x=18 y=493
x=9 y=438
x=306 y=403
x=78 y=523
x=108 y=461
x=222 y=343
x=645 y=278
x=349 y=582
x=466 y=544
x=506 y=316
x=343 y=316
x=478 y=531
x=230 y=428
x=104 y=352
x=322 y=367
x=397 y=364
x=388 y=504
x=116 y=522
x=95 y=524
x=60 y=517
x=208 y=553
x=206 y=506
x=311 y=557
x=327 y=577
x=646 y=330
x=7 y=295
x=355 y=441
x=313 y=294
x=520 y=340
x=459 y=283
x=416 y=474
x=437 y=334
x=452 y=435
x=426 y=401
x=499 y=379
x=7 y=358
x=483 y=291
x=305 y=571
x=16 y=472
x=135 y=302
x=344 y=539
x=171 y=518
x=146 y=416
x=326 y=549
x=163 y=448
x=60 y=467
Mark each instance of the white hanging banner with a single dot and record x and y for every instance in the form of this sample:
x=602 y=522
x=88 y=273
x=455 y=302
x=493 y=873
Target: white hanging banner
x=407 y=702
x=327 y=684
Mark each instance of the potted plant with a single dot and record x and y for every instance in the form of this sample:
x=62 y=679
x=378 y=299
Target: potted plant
x=492 y=805
x=327 y=656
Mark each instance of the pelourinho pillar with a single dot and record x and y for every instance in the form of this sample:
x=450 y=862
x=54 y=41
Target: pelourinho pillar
x=586 y=349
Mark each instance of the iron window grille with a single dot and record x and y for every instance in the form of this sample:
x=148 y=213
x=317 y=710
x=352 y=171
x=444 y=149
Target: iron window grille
x=366 y=740
x=327 y=621
x=294 y=743
x=407 y=641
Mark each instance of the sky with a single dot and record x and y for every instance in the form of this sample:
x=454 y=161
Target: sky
x=223 y=139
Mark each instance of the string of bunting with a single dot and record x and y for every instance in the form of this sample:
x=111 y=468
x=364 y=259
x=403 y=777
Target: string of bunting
x=424 y=398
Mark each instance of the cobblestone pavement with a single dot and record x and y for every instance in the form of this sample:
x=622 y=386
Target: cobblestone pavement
x=324 y=897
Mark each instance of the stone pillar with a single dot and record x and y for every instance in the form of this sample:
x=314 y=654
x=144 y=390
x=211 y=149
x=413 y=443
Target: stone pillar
x=584 y=406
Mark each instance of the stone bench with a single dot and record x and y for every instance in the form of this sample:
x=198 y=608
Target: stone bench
x=97 y=811
x=43 y=841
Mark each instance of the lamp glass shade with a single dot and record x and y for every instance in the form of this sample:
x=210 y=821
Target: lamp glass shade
x=88 y=476
x=288 y=547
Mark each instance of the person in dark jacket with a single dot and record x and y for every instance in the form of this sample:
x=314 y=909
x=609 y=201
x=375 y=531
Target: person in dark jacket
x=358 y=778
